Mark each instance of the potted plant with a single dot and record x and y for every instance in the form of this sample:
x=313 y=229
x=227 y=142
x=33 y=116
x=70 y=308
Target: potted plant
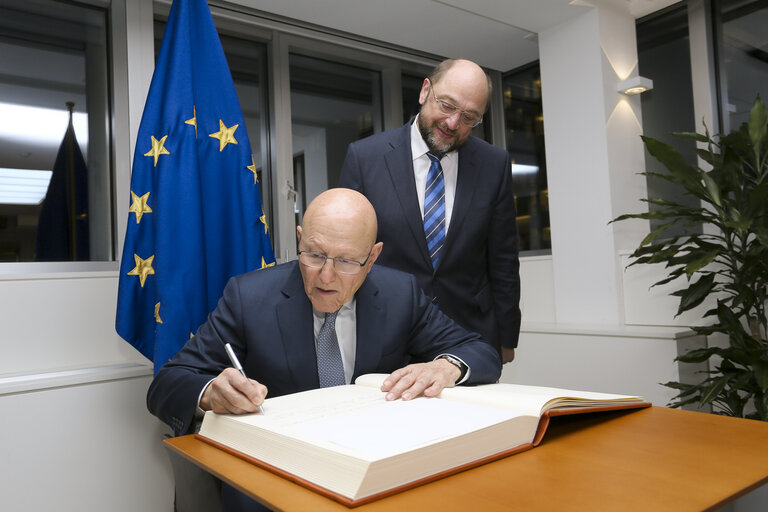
x=728 y=261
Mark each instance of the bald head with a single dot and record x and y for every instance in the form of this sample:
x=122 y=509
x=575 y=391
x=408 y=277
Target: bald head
x=345 y=209
x=340 y=224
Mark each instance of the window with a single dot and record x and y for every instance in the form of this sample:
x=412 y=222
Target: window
x=332 y=104
x=524 y=128
x=54 y=53
x=664 y=56
x=743 y=49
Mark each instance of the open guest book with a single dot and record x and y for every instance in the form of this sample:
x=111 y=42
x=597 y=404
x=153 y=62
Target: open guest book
x=348 y=443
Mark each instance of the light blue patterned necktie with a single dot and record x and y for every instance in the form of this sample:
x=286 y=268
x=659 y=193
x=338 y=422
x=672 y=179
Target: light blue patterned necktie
x=330 y=369
x=434 y=209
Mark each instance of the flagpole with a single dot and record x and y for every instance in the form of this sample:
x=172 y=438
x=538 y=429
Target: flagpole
x=72 y=205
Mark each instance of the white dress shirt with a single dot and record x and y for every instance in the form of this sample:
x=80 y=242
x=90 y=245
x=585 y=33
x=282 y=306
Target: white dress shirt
x=421 y=163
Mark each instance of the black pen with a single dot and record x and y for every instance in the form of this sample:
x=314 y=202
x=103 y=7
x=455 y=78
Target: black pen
x=238 y=366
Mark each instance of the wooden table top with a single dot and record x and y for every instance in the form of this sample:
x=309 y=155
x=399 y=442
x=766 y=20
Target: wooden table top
x=649 y=459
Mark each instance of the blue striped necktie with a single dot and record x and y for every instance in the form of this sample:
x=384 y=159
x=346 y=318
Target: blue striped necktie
x=330 y=368
x=434 y=209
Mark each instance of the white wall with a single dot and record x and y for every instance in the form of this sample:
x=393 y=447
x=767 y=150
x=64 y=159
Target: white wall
x=75 y=441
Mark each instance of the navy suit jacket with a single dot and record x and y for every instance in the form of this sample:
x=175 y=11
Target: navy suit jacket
x=267 y=317
x=477 y=281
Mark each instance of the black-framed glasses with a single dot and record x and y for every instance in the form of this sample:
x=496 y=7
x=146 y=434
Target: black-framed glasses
x=342 y=265
x=467 y=117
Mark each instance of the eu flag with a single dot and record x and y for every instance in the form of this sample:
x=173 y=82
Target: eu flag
x=62 y=228
x=195 y=216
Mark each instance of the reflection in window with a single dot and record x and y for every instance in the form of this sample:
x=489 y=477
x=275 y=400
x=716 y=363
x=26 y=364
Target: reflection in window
x=524 y=126
x=247 y=61
x=744 y=58
x=332 y=104
x=664 y=57
x=53 y=53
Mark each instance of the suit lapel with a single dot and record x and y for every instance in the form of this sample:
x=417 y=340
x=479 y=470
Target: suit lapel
x=400 y=165
x=370 y=323
x=294 y=316
x=466 y=183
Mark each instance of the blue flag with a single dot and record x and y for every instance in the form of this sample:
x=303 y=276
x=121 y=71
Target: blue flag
x=62 y=227
x=195 y=216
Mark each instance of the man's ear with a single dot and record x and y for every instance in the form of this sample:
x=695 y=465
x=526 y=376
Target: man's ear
x=375 y=253
x=424 y=93
x=298 y=233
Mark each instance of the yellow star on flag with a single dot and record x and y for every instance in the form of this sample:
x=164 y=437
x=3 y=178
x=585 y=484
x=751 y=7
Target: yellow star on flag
x=263 y=220
x=143 y=268
x=252 y=168
x=225 y=135
x=139 y=205
x=158 y=148
x=264 y=264
x=157 y=313
x=193 y=121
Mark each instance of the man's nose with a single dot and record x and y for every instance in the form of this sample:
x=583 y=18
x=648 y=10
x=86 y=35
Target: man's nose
x=328 y=271
x=454 y=120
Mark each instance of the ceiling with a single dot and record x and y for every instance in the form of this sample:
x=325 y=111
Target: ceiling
x=497 y=34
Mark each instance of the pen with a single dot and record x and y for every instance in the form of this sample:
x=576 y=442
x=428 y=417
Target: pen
x=238 y=366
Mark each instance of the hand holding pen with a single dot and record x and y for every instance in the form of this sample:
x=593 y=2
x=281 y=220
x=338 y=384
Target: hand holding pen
x=230 y=393
x=238 y=366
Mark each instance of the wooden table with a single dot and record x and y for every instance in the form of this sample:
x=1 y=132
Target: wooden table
x=650 y=459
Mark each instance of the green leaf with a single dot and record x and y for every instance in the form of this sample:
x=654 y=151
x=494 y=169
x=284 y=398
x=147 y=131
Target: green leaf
x=761 y=375
x=712 y=188
x=714 y=390
x=655 y=233
x=698 y=355
x=702 y=260
x=673 y=161
x=757 y=124
x=696 y=293
x=698 y=137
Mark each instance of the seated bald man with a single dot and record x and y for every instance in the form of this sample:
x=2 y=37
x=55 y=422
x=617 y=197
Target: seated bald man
x=274 y=319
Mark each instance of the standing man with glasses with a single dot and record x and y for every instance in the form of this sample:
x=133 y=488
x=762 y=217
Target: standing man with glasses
x=320 y=321
x=445 y=205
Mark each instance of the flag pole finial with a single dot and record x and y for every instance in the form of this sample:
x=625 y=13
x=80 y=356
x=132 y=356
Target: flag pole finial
x=70 y=107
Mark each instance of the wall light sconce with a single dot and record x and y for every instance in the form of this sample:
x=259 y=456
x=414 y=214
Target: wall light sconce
x=635 y=85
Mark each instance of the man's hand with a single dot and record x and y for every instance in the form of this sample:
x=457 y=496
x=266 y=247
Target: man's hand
x=415 y=379
x=230 y=392
x=507 y=355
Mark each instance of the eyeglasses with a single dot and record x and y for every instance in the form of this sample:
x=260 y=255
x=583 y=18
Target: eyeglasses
x=467 y=118
x=342 y=265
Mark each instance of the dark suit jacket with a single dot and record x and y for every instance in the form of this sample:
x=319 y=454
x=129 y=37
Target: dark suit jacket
x=267 y=318
x=477 y=281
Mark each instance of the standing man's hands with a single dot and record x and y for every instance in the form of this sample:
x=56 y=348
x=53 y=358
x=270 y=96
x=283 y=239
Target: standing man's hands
x=507 y=355
x=428 y=379
x=230 y=392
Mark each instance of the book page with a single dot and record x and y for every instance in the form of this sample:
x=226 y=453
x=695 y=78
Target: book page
x=531 y=399
x=525 y=399
x=347 y=417
x=401 y=426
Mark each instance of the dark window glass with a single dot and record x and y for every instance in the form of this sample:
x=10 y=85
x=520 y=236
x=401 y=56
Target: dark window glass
x=664 y=57
x=743 y=50
x=54 y=53
x=332 y=104
x=524 y=127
